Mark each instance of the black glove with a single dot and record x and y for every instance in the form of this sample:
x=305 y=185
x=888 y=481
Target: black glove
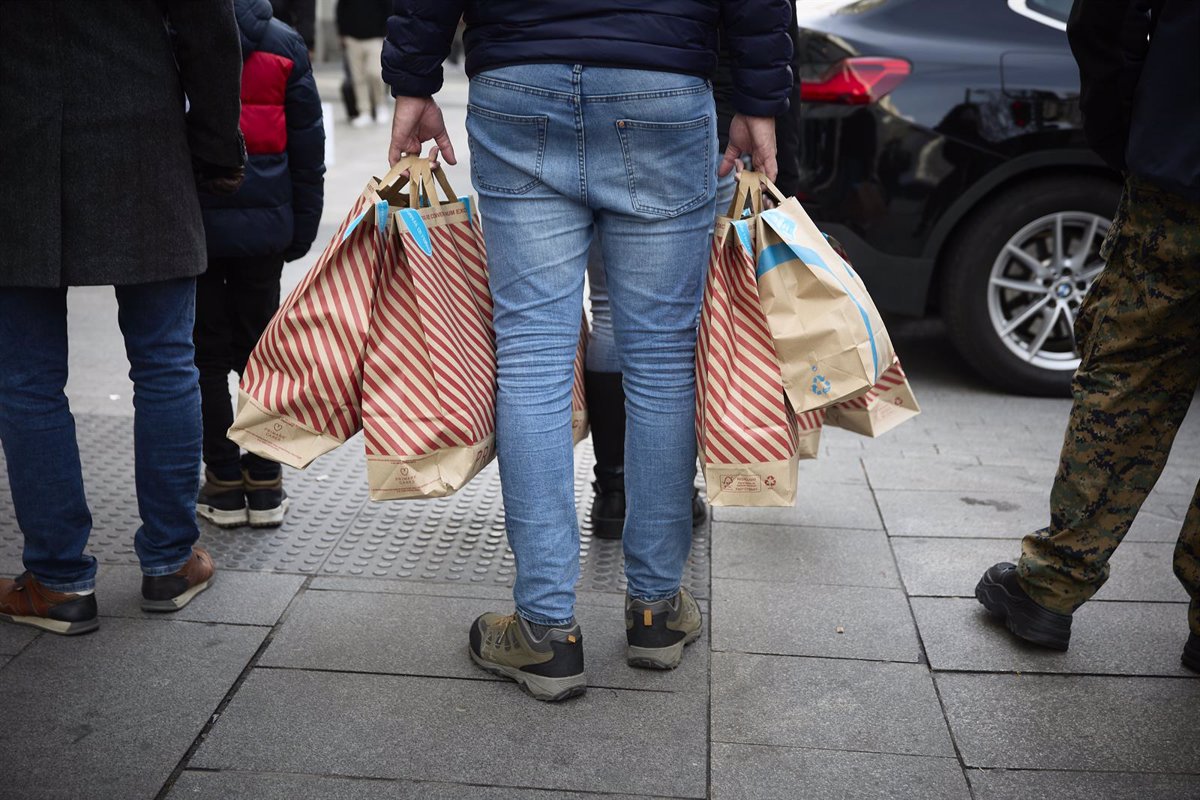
x=214 y=179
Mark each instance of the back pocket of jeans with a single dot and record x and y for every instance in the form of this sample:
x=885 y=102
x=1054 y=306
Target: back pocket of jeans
x=506 y=150
x=669 y=164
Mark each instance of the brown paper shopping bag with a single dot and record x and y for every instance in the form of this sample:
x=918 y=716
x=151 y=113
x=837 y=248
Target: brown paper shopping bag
x=830 y=339
x=300 y=394
x=888 y=403
x=746 y=430
x=429 y=377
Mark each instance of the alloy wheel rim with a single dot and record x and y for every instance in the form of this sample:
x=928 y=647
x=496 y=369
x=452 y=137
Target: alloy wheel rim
x=1037 y=285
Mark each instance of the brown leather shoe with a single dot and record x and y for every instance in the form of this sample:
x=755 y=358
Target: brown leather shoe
x=26 y=602
x=173 y=592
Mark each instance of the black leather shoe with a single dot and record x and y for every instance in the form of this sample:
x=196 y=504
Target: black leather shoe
x=1004 y=599
x=1191 y=653
x=699 y=509
x=608 y=509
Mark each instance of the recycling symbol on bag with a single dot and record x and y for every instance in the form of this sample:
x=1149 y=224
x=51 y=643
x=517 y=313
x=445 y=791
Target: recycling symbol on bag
x=821 y=385
x=769 y=480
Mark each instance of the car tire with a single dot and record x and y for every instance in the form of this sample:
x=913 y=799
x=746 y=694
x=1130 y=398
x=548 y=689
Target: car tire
x=986 y=287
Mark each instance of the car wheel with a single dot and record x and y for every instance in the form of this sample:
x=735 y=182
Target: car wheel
x=1015 y=275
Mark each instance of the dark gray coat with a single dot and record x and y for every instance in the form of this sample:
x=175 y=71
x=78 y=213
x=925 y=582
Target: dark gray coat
x=96 y=179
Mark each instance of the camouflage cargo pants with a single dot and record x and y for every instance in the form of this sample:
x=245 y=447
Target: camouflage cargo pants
x=1139 y=338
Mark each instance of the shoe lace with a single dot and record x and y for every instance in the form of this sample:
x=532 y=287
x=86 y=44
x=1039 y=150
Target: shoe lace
x=500 y=637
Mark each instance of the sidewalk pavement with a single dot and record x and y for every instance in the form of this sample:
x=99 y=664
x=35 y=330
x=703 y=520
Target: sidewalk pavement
x=844 y=657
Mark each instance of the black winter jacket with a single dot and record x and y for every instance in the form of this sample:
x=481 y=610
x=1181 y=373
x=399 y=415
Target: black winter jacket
x=362 y=19
x=665 y=36
x=1141 y=104
x=278 y=208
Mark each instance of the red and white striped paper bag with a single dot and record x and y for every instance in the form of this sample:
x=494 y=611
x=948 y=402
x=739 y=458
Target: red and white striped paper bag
x=299 y=396
x=887 y=404
x=746 y=430
x=429 y=381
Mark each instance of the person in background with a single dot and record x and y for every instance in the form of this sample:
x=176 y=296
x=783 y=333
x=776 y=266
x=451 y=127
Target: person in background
x=98 y=186
x=361 y=25
x=273 y=218
x=301 y=15
x=604 y=388
x=592 y=118
x=1139 y=329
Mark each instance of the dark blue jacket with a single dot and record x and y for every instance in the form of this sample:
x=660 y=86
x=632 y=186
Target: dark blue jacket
x=278 y=208
x=664 y=35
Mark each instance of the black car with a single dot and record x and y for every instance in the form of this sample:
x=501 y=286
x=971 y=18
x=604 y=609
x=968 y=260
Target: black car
x=941 y=144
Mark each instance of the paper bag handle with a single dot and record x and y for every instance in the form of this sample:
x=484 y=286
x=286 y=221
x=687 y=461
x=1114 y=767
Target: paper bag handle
x=416 y=172
x=750 y=189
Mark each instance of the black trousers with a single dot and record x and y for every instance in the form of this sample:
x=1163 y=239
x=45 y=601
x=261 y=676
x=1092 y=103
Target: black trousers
x=235 y=299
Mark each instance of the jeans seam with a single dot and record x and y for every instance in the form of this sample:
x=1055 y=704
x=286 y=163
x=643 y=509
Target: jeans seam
x=517 y=87
x=653 y=95
x=580 y=132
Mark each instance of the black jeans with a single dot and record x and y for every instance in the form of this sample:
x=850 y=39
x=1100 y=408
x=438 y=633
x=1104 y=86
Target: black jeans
x=235 y=300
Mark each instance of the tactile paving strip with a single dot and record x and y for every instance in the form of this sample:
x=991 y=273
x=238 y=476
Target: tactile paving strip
x=332 y=529
x=461 y=539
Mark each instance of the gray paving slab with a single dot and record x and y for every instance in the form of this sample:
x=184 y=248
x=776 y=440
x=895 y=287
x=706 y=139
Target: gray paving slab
x=783 y=554
x=825 y=621
x=818 y=505
x=323 y=583
x=1002 y=784
x=109 y=715
x=14 y=638
x=755 y=772
x=197 y=785
x=826 y=703
x=844 y=466
x=4 y=661
x=1073 y=722
x=949 y=474
x=984 y=513
x=420 y=635
x=1106 y=639
x=965 y=513
x=240 y=598
x=946 y=567
x=474 y=732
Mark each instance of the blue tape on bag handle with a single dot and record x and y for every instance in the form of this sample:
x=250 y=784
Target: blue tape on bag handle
x=742 y=229
x=353 y=224
x=781 y=253
x=416 y=226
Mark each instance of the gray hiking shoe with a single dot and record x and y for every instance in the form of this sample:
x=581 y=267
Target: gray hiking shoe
x=549 y=667
x=657 y=632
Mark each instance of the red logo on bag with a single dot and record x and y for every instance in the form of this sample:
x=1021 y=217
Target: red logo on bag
x=727 y=481
x=403 y=470
x=769 y=480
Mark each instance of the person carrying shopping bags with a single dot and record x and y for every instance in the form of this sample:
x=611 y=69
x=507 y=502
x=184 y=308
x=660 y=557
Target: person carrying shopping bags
x=98 y=187
x=273 y=218
x=591 y=118
x=605 y=389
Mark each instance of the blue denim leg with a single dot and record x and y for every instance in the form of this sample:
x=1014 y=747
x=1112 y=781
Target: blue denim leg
x=654 y=191
x=524 y=164
x=38 y=435
x=156 y=320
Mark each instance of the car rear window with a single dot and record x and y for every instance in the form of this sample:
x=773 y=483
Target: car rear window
x=1059 y=9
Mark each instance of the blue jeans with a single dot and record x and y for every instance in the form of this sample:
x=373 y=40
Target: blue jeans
x=38 y=431
x=557 y=152
x=602 y=349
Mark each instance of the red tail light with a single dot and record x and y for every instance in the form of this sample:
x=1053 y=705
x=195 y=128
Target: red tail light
x=856 y=81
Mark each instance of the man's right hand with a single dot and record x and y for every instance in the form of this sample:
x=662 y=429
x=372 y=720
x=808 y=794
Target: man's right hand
x=753 y=136
x=415 y=121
